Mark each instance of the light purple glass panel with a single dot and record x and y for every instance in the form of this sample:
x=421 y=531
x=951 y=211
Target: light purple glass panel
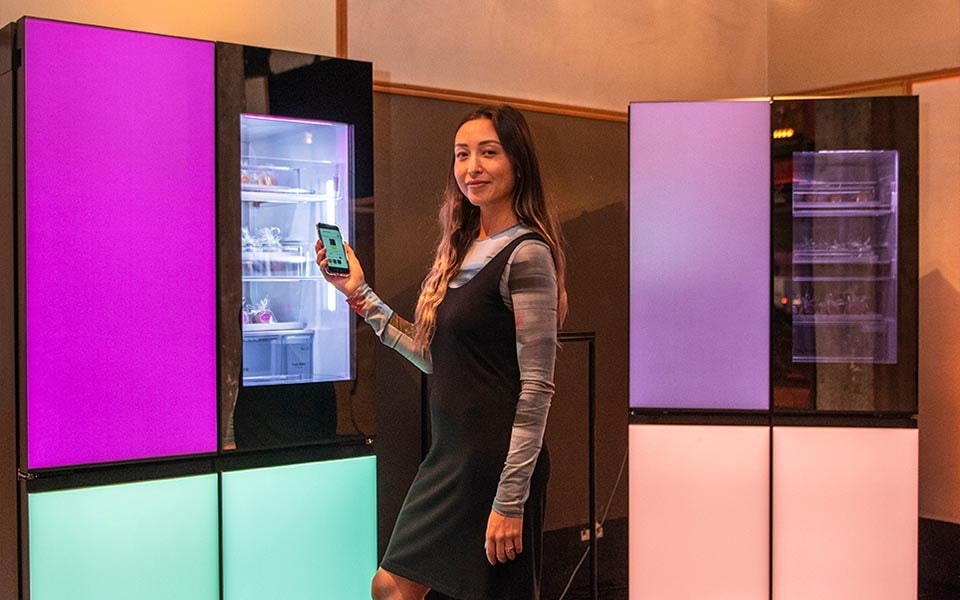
x=699 y=255
x=120 y=245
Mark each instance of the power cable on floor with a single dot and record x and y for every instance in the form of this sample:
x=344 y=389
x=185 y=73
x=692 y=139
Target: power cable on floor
x=598 y=525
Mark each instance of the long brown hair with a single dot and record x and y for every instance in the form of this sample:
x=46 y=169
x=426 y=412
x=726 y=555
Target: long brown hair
x=460 y=220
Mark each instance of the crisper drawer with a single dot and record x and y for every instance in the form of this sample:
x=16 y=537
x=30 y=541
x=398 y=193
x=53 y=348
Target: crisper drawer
x=297 y=353
x=269 y=358
x=844 y=339
x=261 y=356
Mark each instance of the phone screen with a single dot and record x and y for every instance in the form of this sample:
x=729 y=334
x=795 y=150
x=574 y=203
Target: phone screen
x=333 y=242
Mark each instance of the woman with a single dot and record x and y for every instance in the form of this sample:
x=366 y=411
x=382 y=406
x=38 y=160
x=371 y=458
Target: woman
x=486 y=329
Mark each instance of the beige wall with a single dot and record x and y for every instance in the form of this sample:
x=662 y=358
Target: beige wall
x=600 y=55
x=817 y=44
x=594 y=54
x=299 y=25
x=939 y=376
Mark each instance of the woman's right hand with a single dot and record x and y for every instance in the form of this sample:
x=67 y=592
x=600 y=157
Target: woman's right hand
x=347 y=284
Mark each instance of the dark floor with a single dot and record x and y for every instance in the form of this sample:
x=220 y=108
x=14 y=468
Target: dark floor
x=938 y=591
x=566 y=564
x=928 y=591
x=563 y=551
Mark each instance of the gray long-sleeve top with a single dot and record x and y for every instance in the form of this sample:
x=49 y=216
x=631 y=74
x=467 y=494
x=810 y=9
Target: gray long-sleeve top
x=529 y=288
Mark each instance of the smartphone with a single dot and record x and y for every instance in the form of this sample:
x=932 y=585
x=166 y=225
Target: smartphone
x=336 y=254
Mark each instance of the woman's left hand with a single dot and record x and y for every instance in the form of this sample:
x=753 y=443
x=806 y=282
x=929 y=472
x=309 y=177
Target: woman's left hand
x=504 y=538
x=347 y=284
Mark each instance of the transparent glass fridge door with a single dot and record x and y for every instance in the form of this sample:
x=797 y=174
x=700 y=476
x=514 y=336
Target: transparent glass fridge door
x=293 y=174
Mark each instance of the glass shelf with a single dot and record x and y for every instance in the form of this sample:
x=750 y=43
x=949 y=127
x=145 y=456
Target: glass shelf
x=281 y=196
x=840 y=210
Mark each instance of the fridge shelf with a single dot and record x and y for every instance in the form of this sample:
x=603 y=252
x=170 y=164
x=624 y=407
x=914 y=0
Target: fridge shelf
x=873 y=318
x=281 y=379
x=274 y=189
x=820 y=358
x=274 y=328
x=836 y=195
x=844 y=278
x=836 y=340
x=281 y=278
x=865 y=209
x=279 y=196
x=834 y=187
x=840 y=258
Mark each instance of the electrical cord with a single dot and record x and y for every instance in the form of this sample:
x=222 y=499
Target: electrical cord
x=599 y=524
x=353 y=417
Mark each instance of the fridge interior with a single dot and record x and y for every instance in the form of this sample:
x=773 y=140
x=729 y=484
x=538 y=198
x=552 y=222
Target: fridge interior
x=294 y=173
x=844 y=283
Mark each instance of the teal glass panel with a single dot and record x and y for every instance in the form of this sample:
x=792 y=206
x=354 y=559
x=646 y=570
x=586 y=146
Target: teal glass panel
x=147 y=540
x=301 y=531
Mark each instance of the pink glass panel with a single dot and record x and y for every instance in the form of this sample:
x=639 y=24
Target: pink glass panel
x=699 y=511
x=844 y=513
x=699 y=255
x=120 y=245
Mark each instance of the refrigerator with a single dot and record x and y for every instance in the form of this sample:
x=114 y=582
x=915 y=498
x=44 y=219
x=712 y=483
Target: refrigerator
x=773 y=336
x=141 y=173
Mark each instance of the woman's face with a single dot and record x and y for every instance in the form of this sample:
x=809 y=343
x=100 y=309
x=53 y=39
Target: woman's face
x=482 y=169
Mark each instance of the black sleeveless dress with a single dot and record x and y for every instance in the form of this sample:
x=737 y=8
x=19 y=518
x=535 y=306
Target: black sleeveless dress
x=438 y=539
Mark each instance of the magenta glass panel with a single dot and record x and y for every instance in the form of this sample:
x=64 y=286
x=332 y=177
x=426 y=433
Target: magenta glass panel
x=699 y=255
x=120 y=245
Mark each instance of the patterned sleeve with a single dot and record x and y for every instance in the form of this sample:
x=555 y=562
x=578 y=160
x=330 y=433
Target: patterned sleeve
x=531 y=288
x=392 y=330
